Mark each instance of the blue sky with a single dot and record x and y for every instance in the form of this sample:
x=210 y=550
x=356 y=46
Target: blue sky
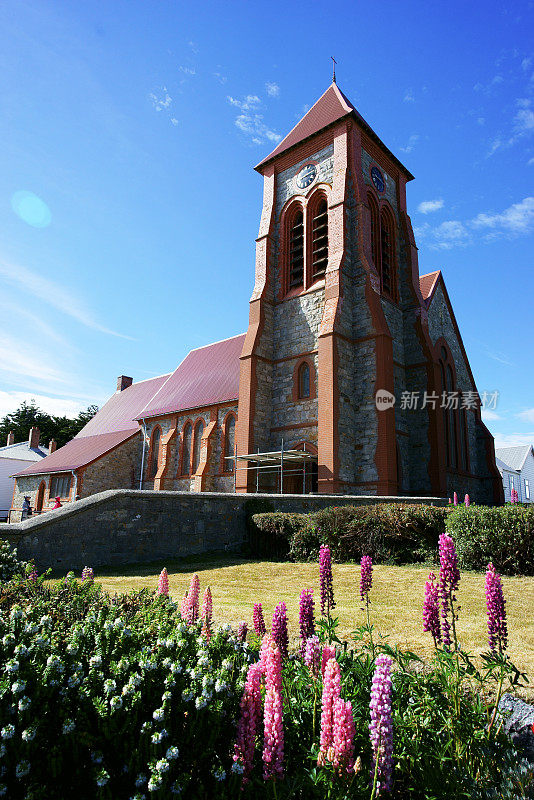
x=128 y=202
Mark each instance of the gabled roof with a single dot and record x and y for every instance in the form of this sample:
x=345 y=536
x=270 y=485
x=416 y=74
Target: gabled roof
x=514 y=457
x=206 y=376
x=79 y=452
x=329 y=108
x=23 y=452
x=428 y=283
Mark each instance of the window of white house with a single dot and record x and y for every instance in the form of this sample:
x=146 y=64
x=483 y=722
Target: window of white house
x=60 y=485
x=527 y=489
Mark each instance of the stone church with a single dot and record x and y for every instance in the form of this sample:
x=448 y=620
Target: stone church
x=352 y=377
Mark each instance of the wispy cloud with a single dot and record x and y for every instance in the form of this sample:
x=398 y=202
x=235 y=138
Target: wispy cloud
x=517 y=219
x=428 y=206
x=522 y=126
x=513 y=439
x=190 y=71
x=412 y=141
x=525 y=64
x=18 y=358
x=530 y=162
x=174 y=121
x=272 y=89
x=250 y=122
x=57 y=406
x=409 y=96
x=220 y=77
x=527 y=415
x=161 y=100
x=53 y=294
x=490 y=416
x=487 y=88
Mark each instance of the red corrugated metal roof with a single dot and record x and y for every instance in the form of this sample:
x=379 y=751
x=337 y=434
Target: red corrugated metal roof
x=427 y=283
x=78 y=452
x=329 y=108
x=206 y=376
x=121 y=410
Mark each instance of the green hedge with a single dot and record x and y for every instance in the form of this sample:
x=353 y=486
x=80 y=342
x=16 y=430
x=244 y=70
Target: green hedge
x=503 y=535
x=394 y=534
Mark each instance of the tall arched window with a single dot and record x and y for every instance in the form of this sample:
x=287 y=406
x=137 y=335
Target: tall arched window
x=199 y=430
x=296 y=250
x=464 y=440
x=454 y=417
x=319 y=257
x=375 y=231
x=453 y=431
x=304 y=380
x=387 y=254
x=154 y=453
x=229 y=444
x=186 y=449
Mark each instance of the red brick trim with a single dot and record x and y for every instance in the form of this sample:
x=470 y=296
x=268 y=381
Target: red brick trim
x=165 y=444
x=150 y=477
x=295 y=207
x=224 y=430
x=296 y=380
x=181 y=472
x=295 y=427
x=200 y=421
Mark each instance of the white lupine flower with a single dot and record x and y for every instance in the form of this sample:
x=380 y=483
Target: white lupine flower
x=102 y=778
x=154 y=782
x=109 y=686
x=158 y=714
x=68 y=726
x=226 y=664
x=95 y=661
x=187 y=695
x=169 y=643
x=220 y=686
x=72 y=648
x=167 y=662
x=12 y=666
x=29 y=734
x=22 y=769
x=24 y=703
x=16 y=612
x=176 y=668
x=118 y=624
x=200 y=702
x=172 y=753
x=18 y=687
x=127 y=689
x=203 y=661
x=7 y=639
x=46 y=620
x=115 y=703
x=162 y=765
x=158 y=737
x=207 y=680
x=21 y=650
x=192 y=674
x=7 y=732
x=108 y=626
x=169 y=681
x=166 y=696
x=39 y=641
x=146 y=726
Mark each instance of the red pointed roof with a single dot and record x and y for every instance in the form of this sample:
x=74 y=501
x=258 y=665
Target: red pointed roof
x=428 y=283
x=329 y=108
x=206 y=376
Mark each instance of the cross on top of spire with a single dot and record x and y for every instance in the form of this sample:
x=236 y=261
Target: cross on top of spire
x=334 y=62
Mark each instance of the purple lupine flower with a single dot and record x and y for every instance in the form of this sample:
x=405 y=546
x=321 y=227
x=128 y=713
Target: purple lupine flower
x=279 y=629
x=366 y=577
x=381 y=727
x=325 y=574
x=495 y=603
x=467 y=501
x=33 y=576
x=431 y=621
x=306 y=621
x=242 y=630
x=449 y=580
x=88 y=574
x=312 y=655
x=259 y=622
x=455 y=497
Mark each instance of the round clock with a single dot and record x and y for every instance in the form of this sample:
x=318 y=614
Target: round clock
x=378 y=179
x=306 y=176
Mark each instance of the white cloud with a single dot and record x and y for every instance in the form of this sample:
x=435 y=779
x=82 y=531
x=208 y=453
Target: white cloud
x=187 y=71
x=54 y=294
x=221 y=78
x=487 y=88
x=524 y=121
x=427 y=206
x=250 y=121
x=513 y=439
x=527 y=415
x=525 y=64
x=174 y=121
x=412 y=141
x=450 y=234
x=272 y=89
x=490 y=416
x=57 y=406
x=517 y=219
x=162 y=100
x=409 y=96
x=29 y=361
x=530 y=162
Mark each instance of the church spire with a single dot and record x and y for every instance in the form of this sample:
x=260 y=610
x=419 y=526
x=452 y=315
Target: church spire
x=334 y=62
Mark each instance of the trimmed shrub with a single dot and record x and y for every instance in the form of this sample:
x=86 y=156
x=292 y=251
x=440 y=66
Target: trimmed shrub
x=390 y=533
x=503 y=535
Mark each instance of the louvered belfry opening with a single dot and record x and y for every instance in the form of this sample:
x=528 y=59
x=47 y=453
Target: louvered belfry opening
x=296 y=251
x=387 y=264
x=320 y=240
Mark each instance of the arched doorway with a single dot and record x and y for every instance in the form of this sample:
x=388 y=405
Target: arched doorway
x=40 y=497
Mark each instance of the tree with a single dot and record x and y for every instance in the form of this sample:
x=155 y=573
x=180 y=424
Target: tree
x=29 y=415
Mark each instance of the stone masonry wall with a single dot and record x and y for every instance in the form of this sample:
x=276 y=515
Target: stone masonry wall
x=119 y=468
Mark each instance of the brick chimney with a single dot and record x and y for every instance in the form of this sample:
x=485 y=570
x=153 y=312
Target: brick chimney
x=123 y=382
x=10 y=438
x=33 y=438
x=52 y=446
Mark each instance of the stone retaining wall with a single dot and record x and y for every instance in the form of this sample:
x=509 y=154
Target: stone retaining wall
x=124 y=526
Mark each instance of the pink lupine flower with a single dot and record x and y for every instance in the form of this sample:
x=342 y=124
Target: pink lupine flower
x=331 y=693
x=306 y=620
x=449 y=580
x=325 y=575
x=431 y=621
x=467 y=501
x=184 y=606
x=87 y=574
x=329 y=651
x=249 y=720
x=312 y=655
x=258 y=621
x=242 y=630
x=366 y=577
x=450 y=501
x=381 y=727
x=273 y=731
x=455 y=496
x=163 y=583
x=343 y=736
x=495 y=603
x=191 y=614
x=206 y=613
x=279 y=629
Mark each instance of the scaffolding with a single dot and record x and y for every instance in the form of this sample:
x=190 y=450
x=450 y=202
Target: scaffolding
x=281 y=463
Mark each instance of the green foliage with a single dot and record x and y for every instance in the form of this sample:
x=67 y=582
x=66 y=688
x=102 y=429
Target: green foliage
x=29 y=415
x=503 y=535
x=9 y=562
x=389 y=533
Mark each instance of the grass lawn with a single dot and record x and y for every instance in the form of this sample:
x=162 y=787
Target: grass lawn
x=397 y=596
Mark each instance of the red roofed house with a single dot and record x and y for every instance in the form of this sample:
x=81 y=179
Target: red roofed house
x=352 y=377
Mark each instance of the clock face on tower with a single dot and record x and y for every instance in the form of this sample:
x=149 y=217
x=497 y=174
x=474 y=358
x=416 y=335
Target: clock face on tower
x=378 y=179
x=306 y=176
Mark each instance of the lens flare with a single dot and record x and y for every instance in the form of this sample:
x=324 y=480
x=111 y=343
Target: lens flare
x=31 y=209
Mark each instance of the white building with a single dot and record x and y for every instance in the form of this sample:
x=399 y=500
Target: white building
x=516 y=465
x=14 y=458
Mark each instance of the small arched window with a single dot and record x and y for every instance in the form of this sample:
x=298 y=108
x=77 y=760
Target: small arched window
x=387 y=255
x=319 y=240
x=199 y=430
x=154 y=453
x=296 y=250
x=304 y=380
x=229 y=444
x=186 y=449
